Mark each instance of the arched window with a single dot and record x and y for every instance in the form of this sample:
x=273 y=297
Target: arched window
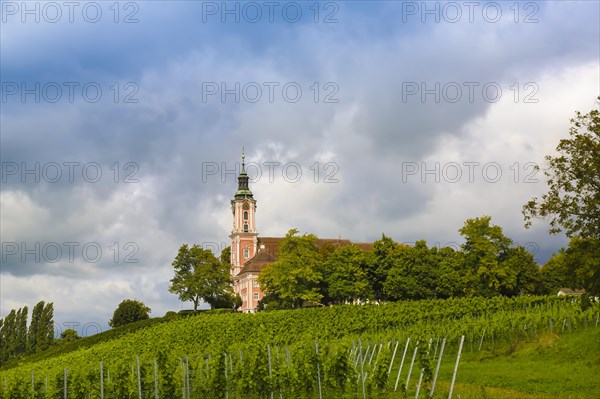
x=245 y=215
x=245 y=227
x=246 y=253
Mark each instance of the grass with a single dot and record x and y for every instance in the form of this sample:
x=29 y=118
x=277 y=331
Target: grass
x=561 y=367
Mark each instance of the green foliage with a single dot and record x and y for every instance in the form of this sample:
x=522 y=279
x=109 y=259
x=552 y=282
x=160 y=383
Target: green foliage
x=554 y=274
x=572 y=202
x=294 y=278
x=199 y=275
x=16 y=339
x=581 y=261
x=129 y=311
x=208 y=344
x=497 y=268
x=69 y=335
x=345 y=275
x=36 y=316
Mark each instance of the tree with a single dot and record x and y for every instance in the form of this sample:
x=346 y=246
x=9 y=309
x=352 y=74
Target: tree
x=45 y=330
x=554 y=274
x=199 y=275
x=129 y=311
x=345 y=275
x=69 y=335
x=573 y=200
x=36 y=315
x=485 y=250
x=526 y=270
x=226 y=256
x=384 y=251
x=21 y=331
x=294 y=278
x=582 y=263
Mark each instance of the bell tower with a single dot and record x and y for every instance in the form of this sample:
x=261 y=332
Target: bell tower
x=243 y=235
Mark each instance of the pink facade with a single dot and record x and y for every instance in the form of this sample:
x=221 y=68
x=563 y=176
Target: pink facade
x=244 y=244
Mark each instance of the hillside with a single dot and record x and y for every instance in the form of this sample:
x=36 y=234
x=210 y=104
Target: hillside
x=536 y=346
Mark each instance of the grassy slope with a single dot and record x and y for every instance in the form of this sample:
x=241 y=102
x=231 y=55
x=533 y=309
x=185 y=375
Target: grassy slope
x=566 y=366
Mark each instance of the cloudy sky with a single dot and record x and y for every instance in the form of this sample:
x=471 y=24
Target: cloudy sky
x=122 y=126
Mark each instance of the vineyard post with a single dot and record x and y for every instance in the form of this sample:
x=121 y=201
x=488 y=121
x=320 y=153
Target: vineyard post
x=412 y=363
x=33 y=384
x=364 y=358
x=270 y=371
x=401 y=363
x=65 y=383
x=155 y=380
x=423 y=369
x=101 y=380
x=393 y=356
x=226 y=387
x=183 y=373
x=46 y=386
x=139 y=378
x=462 y=340
x=378 y=353
x=481 y=341
x=437 y=342
x=437 y=368
x=287 y=356
x=419 y=384
x=597 y=318
x=362 y=380
x=318 y=369
x=187 y=375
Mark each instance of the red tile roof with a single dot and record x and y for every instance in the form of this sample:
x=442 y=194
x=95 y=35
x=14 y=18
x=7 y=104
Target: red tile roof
x=268 y=249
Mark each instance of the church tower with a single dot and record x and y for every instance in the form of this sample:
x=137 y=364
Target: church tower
x=244 y=234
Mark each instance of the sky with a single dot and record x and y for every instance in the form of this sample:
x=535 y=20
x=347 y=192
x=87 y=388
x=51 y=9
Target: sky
x=122 y=126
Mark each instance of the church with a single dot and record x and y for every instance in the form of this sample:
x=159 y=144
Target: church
x=251 y=253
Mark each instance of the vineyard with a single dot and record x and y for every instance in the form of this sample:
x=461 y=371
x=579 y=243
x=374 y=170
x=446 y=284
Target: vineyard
x=396 y=350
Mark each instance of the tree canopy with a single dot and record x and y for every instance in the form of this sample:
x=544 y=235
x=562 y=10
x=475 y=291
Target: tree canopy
x=129 y=311
x=572 y=202
x=199 y=275
x=294 y=277
x=488 y=264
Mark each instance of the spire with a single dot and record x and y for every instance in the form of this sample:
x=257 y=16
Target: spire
x=243 y=190
x=243 y=162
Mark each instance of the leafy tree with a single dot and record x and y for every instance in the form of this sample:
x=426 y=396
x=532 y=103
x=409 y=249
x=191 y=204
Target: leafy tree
x=129 y=311
x=407 y=277
x=452 y=277
x=69 y=335
x=9 y=335
x=21 y=331
x=45 y=330
x=485 y=250
x=345 y=275
x=294 y=277
x=420 y=272
x=573 y=200
x=582 y=263
x=526 y=271
x=36 y=315
x=226 y=256
x=384 y=251
x=554 y=274
x=199 y=275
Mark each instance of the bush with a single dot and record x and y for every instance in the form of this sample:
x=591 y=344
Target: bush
x=129 y=311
